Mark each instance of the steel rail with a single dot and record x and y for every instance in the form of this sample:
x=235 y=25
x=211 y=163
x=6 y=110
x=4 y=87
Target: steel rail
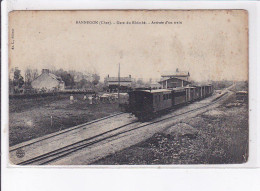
x=66 y=130
x=64 y=151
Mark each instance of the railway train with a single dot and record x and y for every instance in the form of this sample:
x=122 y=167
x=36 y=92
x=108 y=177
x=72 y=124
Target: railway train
x=146 y=104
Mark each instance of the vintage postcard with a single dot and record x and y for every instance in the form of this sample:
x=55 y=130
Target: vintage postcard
x=128 y=87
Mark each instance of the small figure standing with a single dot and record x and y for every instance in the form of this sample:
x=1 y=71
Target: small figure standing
x=97 y=99
x=71 y=99
x=90 y=100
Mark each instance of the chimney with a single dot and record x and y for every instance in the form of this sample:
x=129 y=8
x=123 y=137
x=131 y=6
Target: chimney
x=177 y=70
x=130 y=76
x=47 y=71
x=108 y=76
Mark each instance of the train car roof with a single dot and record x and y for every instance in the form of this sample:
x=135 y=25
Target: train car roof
x=178 y=89
x=155 y=91
x=191 y=87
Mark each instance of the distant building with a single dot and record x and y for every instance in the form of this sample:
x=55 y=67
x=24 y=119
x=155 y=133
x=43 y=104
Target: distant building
x=48 y=81
x=112 y=83
x=173 y=80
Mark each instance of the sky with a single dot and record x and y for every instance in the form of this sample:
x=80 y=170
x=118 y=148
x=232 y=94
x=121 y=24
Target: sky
x=211 y=45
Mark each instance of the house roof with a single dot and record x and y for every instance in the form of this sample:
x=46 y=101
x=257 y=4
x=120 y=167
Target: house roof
x=55 y=77
x=52 y=76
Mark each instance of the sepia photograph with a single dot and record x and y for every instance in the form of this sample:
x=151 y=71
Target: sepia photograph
x=128 y=87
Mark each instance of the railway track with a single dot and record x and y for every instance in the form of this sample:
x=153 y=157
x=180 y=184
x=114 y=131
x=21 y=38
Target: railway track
x=121 y=130
x=19 y=146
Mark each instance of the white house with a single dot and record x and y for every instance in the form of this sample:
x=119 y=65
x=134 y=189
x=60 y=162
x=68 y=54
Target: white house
x=48 y=81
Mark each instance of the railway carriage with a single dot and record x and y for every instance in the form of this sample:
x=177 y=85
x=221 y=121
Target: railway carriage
x=190 y=94
x=197 y=93
x=179 y=96
x=208 y=90
x=148 y=102
x=145 y=104
x=202 y=92
x=193 y=92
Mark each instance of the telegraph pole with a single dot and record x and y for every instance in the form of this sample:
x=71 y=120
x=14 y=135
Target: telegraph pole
x=119 y=83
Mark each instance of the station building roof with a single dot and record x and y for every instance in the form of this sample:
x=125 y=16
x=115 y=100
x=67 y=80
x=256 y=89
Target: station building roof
x=170 y=78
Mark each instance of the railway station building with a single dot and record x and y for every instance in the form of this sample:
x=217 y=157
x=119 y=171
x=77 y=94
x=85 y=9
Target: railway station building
x=112 y=83
x=174 y=80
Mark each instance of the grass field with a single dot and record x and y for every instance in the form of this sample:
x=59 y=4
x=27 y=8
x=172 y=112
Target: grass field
x=31 y=118
x=219 y=136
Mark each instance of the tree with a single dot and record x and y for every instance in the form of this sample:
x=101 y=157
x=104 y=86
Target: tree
x=35 y=74
x=28 y=77
x=96 y=79
x=140 y=82
x=67 y=77
x=18 y=80
x=84 y=84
